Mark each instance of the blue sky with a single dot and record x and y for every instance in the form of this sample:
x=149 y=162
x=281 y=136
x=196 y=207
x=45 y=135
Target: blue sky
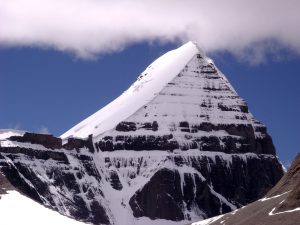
x=42 y=89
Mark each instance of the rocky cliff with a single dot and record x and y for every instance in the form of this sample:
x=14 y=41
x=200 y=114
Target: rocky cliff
x=179 y=145
x=280 y=206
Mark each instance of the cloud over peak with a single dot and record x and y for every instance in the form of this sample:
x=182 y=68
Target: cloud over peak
x=90 y=27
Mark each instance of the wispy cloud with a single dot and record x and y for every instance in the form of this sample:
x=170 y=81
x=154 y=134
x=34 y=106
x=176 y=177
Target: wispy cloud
x=43 y=130
x=15 y=126
x=90 y=27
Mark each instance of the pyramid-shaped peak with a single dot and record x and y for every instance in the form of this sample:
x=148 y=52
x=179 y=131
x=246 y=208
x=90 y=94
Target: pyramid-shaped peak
x=149 y=83
x=180 y=101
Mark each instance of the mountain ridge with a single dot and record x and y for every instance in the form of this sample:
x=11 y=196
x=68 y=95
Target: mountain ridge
x=162 y=69
x=190 y=151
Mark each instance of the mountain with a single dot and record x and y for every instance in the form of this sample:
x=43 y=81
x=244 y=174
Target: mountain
x=179 y=145
x=16 y=208
x=280 y=206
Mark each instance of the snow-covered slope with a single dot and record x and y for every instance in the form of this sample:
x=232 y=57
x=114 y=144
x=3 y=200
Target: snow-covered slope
x=109 y=187
x=183 y=98
x=148 y=84
x=16 y=208
x=178 y=146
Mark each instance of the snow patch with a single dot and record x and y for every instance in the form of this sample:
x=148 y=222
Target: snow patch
x=276 y=196
x=287 y=211
x=6 y=133
x=18 y=209
x=208 y=221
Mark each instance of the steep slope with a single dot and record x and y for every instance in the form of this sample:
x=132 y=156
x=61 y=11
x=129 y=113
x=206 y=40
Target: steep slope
x=280 y=206
x=178 y=146
x=148 y=84
x=15 y=208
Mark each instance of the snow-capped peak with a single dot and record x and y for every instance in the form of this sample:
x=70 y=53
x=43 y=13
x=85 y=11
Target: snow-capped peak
x=142 y=91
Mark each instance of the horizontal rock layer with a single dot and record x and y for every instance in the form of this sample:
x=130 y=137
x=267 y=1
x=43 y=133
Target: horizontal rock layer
x=101 y=187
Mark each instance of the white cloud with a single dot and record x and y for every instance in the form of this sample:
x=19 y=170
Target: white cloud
x=89 y=27
x=43 y=130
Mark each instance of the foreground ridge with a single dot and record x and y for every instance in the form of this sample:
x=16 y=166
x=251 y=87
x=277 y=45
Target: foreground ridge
x=280 y=206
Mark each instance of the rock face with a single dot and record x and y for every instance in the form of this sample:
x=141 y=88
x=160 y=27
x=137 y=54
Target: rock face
x=179 y=145
x=47 y=140
x=65 y=180
x=280 y=206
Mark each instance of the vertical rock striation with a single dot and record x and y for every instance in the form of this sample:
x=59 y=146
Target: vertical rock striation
x=179 y=145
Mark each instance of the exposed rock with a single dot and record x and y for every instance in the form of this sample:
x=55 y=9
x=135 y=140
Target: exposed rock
x=280 y=206
x=179 y=145
x=114 y=180
x=163 y=191
x=76 y=143
x=239 y=182
x=126 y=126
x=60 y=179
x=5 y=185
x=47 y=140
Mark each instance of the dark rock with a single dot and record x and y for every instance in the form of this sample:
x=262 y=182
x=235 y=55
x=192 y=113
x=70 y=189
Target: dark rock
x=139 y=143
x=184 y=124
x=38 y=154
x=240 y=183
x=159 y=198
x=211 y=143
x=76 y=143
x=114 y=180
x=47 y=140
x=99 y=214
x=281 y=200
x=126 y=126
x=14 y=177
x=154 y=126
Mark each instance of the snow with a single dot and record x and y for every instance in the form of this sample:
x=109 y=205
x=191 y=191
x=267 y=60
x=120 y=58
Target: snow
x=182 y=85
x=287 y=211
x=18 y=209
x=276 y=196
x=208 y=221
x=8 y=143
x=6 y=133
x=148 y=84
x=142 y=165
x=272 y=211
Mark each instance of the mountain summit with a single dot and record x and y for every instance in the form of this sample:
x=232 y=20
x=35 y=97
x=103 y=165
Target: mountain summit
x=148 y=85
x=183 y=97
x=178 y=146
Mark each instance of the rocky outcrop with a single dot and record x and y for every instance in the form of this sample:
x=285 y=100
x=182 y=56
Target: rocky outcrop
x=281 y=205
x=177 y=186
x=62 y=179
x=211 y=187
x=76 y=143
x=193 y=111
x=47 y=140
x=5 y=185
x=289 y=183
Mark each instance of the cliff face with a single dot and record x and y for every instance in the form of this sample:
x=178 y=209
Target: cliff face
x=179 y=145
x=60 y=177
x=281 y=205
x=197 y=109
x=111 y=187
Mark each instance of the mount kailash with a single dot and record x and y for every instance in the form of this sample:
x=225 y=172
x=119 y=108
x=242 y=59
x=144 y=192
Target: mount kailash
x=178 y=146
